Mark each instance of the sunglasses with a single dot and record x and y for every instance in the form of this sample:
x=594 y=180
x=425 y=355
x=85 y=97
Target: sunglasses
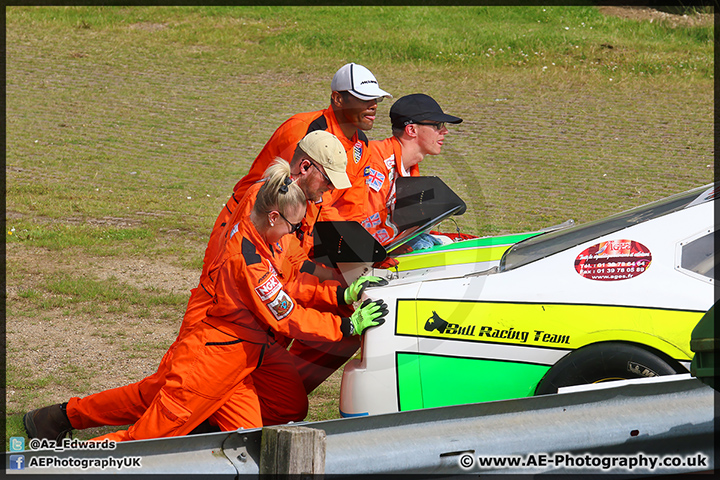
x=327 y=179
x=438 y=126
x=294 y=227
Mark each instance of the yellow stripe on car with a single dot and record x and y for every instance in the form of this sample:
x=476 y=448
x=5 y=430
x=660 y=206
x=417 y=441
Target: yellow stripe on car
x=563 y=326
x=450 y=257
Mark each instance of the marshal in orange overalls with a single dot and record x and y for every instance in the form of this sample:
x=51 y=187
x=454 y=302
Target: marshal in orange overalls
x=125 y=405
x=210 y=370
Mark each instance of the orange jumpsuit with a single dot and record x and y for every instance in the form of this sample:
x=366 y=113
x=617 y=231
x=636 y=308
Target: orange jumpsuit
x=317 y=361
x=337 y=205
x=383 y=169
x=125 y=405
x=210 y=369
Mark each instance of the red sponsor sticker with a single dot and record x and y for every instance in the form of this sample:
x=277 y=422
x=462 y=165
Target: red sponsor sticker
x=613 y=260
x=268 y=289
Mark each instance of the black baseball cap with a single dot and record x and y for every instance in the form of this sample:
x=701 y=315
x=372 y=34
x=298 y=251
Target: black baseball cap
x=417 y=108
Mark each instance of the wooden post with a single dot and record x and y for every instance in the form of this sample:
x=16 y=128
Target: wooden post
x=292 y=450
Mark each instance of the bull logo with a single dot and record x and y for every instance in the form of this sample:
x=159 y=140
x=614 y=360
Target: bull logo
x=435 y=323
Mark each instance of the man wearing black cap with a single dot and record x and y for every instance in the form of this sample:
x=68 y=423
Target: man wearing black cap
x=418 y=127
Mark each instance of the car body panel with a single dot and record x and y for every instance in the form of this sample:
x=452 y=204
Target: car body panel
x=470 y=332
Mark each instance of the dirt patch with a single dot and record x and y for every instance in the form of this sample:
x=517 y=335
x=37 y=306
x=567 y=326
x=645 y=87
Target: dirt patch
x=108 y=347
x=652 y=15
x=148 y=26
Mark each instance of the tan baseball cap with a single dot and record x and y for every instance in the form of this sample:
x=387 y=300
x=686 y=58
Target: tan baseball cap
x=326 y=150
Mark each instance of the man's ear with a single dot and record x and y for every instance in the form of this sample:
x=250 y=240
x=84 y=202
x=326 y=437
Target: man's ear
x=411 y=130
x=336 y=99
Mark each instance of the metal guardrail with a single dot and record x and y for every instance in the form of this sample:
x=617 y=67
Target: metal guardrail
x=633 y=420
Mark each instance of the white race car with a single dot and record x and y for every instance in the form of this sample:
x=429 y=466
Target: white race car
x=501 y=317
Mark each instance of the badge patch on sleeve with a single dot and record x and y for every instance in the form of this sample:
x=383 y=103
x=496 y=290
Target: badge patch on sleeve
x=269 y=288
x=381 y=235
x=371 y=221
x=374 y=178
x=281 y=306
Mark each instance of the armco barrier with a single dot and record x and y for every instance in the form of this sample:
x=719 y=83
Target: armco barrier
x=576 y=432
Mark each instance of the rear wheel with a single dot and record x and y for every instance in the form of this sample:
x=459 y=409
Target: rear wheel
x=604 y=362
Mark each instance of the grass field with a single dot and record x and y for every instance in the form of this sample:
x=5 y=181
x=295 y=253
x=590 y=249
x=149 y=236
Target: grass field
x=128 y=126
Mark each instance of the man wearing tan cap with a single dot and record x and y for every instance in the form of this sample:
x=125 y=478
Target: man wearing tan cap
x=211 y=375
x=317 y=166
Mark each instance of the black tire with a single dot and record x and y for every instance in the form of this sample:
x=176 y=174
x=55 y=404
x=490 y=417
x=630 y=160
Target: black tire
x=603 y=362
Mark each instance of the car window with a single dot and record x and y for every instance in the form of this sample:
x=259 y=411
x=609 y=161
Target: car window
x=699 y=256
x=550 y=243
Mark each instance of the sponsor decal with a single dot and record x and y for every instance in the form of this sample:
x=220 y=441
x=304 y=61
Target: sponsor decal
x=613 y=260
x=281 y=306
x=435 y=323
x=374 y=178
x=268 y=289
x=365 y=82
x=638 y=369
x=443 y=327
x=371 y=221
x=357 y=151
x=709 y=194
x=547 y=325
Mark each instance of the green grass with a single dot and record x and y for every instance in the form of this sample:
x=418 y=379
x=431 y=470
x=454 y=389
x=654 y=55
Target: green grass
x=63 y=290
x=127 y=128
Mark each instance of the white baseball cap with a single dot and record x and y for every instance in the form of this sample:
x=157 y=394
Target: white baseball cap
x=359 y=81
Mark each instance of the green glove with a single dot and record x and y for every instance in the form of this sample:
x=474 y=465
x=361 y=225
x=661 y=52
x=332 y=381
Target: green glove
x=355 y=290
x=370 y=314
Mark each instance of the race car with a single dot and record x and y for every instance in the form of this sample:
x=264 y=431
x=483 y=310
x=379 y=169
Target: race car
x=514 y=316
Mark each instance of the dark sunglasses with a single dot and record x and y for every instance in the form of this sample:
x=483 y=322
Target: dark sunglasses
x=294 y=227
x=438 y=126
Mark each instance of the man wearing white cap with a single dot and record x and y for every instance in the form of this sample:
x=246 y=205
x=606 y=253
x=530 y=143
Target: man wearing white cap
x=419 y=129
x=354 y=96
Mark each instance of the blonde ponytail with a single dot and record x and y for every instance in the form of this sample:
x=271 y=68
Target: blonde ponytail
x=278 y=192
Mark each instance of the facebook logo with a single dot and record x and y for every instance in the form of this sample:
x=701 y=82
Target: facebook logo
x=17 y=462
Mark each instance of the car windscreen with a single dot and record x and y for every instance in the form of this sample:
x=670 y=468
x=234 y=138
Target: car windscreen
x=551 y=243
x=421 y=203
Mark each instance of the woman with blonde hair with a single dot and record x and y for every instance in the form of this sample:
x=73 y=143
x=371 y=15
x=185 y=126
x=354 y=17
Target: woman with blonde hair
x=209 y=376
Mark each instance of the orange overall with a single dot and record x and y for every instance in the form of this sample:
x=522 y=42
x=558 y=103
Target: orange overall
x=381 y=173
x=337 y=205
x=125 y=405
x=209 y=374
x=376 y=188
x=317 y=361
